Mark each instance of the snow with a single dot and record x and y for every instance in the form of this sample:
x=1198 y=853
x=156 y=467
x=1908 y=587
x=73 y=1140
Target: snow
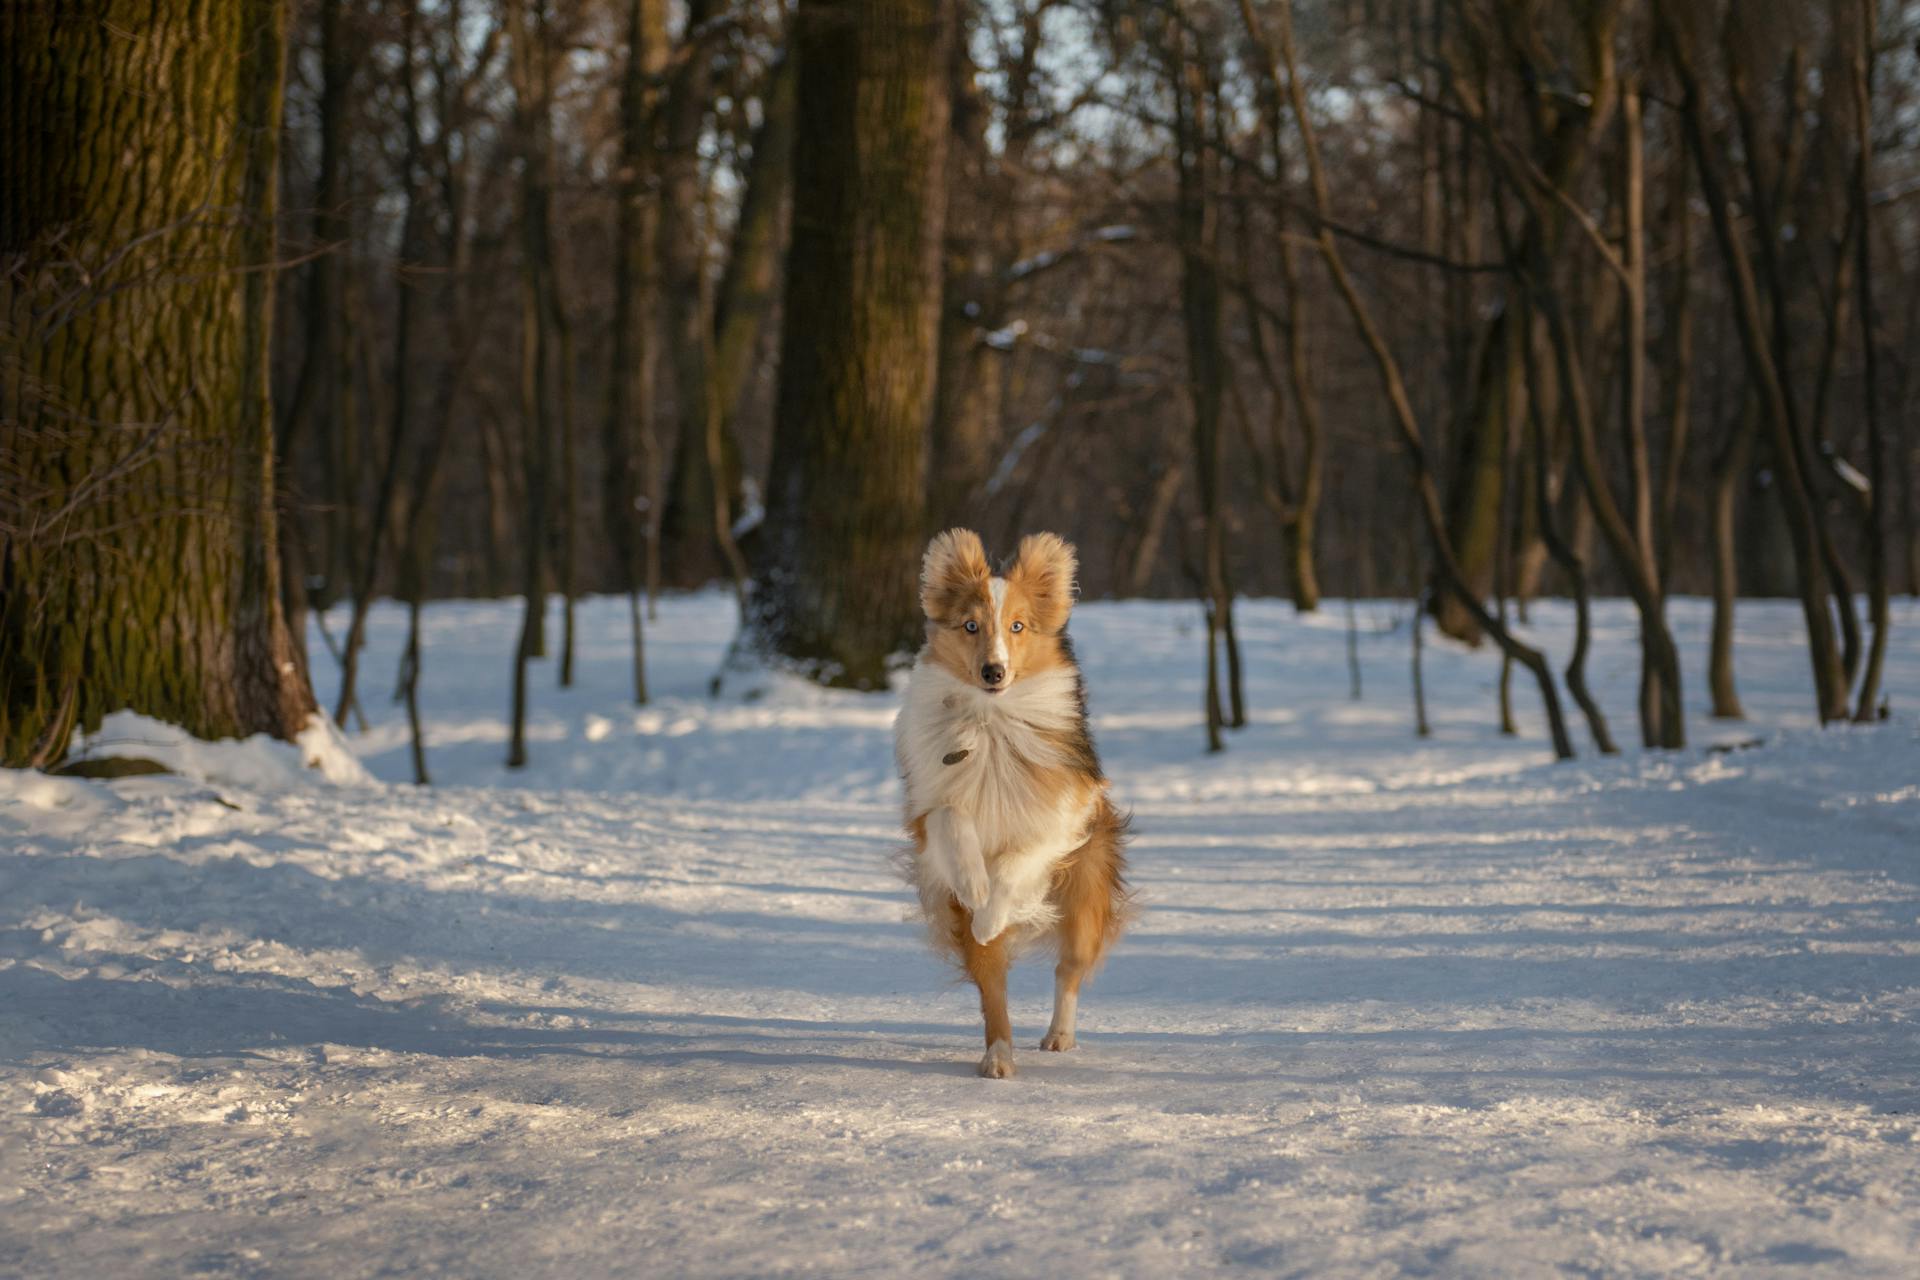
x=259 y=762
x=655 y=1002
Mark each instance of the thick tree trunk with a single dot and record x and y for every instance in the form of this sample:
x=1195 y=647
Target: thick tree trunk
x=836 y=592
x=138 y=557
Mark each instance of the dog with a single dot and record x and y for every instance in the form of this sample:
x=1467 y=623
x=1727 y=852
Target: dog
x=1015 y=841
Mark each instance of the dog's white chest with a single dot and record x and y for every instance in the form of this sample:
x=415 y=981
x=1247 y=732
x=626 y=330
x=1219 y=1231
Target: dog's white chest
x=994 y=758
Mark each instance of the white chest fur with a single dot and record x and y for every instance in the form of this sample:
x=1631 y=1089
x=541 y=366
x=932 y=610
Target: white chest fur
x=997 y=810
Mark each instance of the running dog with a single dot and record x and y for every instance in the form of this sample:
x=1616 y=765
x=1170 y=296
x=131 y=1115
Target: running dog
x=1014 y=838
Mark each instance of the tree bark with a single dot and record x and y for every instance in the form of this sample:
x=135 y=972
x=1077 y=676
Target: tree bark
x=836 y=592
x=312 y=394
x=630 y=492
x=688 y=549
x=138 y=557
x=1729 y=473
x=532 y=103
x=1860 y=57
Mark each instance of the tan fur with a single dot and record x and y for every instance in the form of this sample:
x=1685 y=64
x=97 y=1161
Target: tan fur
x=1027 y=771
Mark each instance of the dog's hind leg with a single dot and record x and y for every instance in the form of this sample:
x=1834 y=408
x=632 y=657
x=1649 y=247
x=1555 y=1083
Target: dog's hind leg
x=1079 y=952
x=987 y=965
x=1089 y=895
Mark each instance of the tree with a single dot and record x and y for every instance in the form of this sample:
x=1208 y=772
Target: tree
x=138 y=558
x=629 y=446
x=835 y=591
x=532 y=68
x=1763 y=362
x=1283 y=69
x=1195 y=96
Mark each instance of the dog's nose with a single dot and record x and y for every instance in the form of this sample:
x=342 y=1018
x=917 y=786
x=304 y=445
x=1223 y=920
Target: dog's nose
x=993 y=673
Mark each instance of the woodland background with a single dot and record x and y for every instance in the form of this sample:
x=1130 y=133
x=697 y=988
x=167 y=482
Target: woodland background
x=1469 y=300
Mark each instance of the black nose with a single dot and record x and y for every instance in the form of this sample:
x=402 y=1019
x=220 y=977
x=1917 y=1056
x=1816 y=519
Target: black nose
x=993 y=673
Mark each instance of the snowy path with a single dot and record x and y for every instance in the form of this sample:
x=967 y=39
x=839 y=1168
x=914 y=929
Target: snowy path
x=654 y=1007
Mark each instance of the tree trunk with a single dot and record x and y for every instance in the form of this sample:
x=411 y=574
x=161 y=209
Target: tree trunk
x=750 y=283
x=1830 y=690
x=1415 y=577
x=321 y=322
x=532 y=103
x=836 y=592
x=686 y=526
x=366 y=575
x=1207 y=371
x=628 y=444
x=138 y=558
x=1729 y=474
x=1564 y=554
x=968 y=388
x=1860 y=66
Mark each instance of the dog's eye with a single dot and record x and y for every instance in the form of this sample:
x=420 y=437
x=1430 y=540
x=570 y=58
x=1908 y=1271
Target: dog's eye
x=972 y=626
x=1019 y=626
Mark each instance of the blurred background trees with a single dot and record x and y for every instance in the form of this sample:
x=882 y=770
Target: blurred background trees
x=1482 y=300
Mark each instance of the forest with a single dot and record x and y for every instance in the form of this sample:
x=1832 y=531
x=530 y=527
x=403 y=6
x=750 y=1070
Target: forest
x=1463 y=302
x=467 y=469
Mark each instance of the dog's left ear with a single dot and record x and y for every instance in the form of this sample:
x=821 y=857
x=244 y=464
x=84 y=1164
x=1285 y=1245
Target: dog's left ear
x=1043 y=572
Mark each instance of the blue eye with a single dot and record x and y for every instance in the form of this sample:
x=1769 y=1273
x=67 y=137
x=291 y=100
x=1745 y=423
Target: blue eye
x=973 y=626
x=1019 y=626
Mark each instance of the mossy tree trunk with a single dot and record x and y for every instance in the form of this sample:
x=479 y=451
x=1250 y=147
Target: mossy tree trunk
x=836 y=586
x=138 y=559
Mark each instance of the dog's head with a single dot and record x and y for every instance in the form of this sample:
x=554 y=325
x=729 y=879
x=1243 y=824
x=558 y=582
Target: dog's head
x=989 y=631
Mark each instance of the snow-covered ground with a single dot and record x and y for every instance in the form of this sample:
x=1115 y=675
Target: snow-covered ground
x=653 y=1006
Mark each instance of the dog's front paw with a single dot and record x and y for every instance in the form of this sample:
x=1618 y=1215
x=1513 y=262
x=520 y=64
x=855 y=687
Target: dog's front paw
x=1057 y=1041
x=973 y=888
x=998 y=1064
x=990 y=921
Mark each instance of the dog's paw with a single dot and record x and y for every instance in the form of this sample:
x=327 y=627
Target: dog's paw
x=1057 y=1041
x=990 y=921
x=973 y=889
x=998 y=1064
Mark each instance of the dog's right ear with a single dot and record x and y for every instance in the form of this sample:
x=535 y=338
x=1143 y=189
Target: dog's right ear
x=953 y=575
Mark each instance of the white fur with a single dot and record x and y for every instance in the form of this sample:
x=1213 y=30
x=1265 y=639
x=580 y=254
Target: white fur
x=987 y=806
x=1066 y=1005
x=998 y=1064
x=997 y=651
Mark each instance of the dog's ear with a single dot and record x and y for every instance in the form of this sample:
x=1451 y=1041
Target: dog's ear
x=1043 y=572
x=953 y=575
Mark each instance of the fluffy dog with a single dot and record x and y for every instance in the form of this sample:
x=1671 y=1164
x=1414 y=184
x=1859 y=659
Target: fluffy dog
x=1014 y=838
